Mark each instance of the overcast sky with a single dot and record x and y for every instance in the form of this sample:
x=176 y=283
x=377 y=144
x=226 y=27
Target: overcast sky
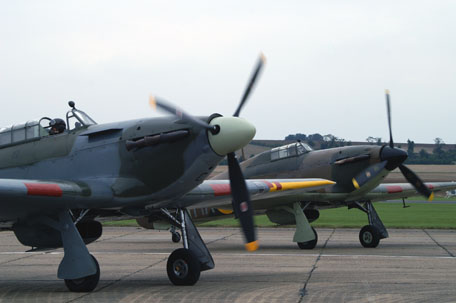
x=328 y=63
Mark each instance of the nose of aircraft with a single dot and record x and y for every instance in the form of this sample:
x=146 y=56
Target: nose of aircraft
x=234 y=134
x=394 y=156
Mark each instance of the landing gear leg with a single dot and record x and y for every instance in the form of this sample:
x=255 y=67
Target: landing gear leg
x=370 y=235
x=78 y=268
x=305 y=235
x=309 y=244
x=185 y=264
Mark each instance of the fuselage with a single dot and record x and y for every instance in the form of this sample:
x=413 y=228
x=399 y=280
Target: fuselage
x=327 y=164
x=96 y=157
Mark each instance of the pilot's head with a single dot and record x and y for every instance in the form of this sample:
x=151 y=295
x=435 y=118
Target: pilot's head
x=57 y=125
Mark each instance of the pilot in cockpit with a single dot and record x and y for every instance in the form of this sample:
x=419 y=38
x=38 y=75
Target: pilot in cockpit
x=57 y=125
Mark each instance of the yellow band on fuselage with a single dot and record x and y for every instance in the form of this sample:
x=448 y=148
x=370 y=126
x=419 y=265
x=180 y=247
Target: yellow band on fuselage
x=355 y=184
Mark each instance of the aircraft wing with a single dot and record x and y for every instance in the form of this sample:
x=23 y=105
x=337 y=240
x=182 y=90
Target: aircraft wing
x=213 y=193
x=19 y=188
x=388 y=191
x=266 y=194
x=19 y=197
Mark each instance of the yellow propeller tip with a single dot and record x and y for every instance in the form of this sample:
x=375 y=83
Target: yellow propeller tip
x=153 y=102
x=262 y=57
x=387 y=91
x=431 y=197
x=252 y=246
x=355 y=183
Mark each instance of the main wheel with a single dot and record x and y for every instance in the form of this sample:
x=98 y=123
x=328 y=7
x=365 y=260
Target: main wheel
x=176 y=237
x=183 y=267
x=309 y=244
x=369 y=236
x=85 y=284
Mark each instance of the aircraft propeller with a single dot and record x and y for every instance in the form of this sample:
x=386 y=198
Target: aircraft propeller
x=242 y=205
x=241 y=202
x=155 y=102
x=391 y=158
x=411 y=177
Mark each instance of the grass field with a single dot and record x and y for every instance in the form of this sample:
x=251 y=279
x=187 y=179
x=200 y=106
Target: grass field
x=432 y=215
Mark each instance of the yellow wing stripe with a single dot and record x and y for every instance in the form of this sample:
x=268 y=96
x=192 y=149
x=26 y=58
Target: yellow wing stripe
x=225 y=211
x=280 y=186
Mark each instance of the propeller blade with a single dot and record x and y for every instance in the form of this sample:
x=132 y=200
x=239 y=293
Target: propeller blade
x=252 y=82
x=155 y=103
x=416 y=182
x=388 y=108
x=368 y=174
x=242 y=205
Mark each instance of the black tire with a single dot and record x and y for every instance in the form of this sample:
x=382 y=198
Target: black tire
x=309 y=244
x=369 y=236
x=85 y=284
x=176 y=237
x=183 y=267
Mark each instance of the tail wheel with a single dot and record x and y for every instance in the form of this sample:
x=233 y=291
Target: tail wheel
x=369 y=236
x=84 y=284
x=183 y=267
x=309 y=244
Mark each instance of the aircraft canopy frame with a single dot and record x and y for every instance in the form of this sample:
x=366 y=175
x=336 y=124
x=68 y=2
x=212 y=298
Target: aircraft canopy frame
x=22 y=132
x=290 y=150
x=83 y=120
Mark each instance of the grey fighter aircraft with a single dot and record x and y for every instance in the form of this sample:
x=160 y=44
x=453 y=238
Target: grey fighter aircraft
x=358 y=172
x=57 y=176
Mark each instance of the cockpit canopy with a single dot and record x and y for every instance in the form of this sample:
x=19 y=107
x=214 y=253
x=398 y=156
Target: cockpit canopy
x=290 y=150
x=36 y=129
x=77 y=118
x=21 y=132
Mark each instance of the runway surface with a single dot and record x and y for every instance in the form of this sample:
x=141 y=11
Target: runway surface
x=410 y=266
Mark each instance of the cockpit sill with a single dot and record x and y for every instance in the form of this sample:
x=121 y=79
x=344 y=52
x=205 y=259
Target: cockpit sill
x=34 y=130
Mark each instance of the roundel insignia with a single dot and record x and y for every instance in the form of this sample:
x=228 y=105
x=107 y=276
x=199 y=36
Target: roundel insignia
x=244 y=207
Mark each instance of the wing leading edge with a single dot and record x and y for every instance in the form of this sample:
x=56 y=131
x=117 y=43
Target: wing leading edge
x=388 y=191
x=213 y=193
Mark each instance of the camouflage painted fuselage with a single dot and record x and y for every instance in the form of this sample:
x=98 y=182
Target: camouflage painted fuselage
x=96 y=158
x=327 y=163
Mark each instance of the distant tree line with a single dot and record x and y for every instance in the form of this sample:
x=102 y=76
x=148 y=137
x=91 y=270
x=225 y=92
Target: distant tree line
x=439 y=155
